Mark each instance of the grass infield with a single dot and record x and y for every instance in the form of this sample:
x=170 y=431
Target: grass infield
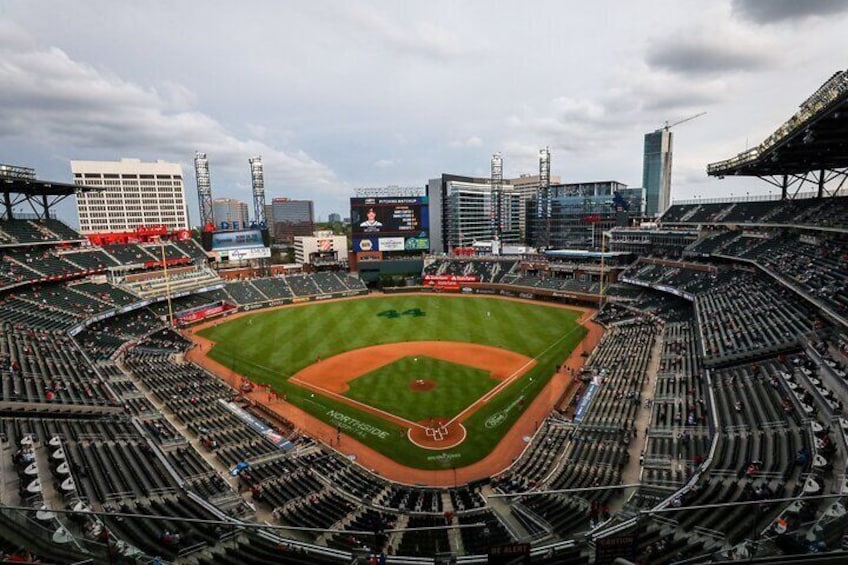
x=269 y=347
x=391 y=388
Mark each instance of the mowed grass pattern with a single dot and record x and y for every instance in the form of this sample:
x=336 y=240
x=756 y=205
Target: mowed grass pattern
x=287 y=340
x=389 y=388
x=269 y=347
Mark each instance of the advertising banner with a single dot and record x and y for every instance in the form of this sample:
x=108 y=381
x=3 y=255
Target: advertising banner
x=245 y=254
x=258 y=425
x=236 y=239
x=391 y=244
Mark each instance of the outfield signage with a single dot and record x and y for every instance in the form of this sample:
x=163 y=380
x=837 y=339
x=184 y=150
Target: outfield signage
x=449 y=282
x=258 y=425
x=585 y=401
x=244 y=254
x=351 y=424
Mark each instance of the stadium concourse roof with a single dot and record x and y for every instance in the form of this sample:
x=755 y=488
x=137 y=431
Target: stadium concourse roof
x=814 y=139
x=21 y=180
x=38 y=194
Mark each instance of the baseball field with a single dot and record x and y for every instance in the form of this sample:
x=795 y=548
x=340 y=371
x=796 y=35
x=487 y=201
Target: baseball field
x=432 y=382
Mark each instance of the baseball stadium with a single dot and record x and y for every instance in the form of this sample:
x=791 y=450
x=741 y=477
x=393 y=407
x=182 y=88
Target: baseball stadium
x=664 y=391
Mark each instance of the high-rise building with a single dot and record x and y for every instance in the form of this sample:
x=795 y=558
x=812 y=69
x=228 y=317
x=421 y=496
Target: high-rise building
x=334 y=218
x=269 y=217
x=291 y=218
x=527 y=185
x=133 y=194
x=461 y=211
x=582 y=211
x=230 y=214
x=656 y=171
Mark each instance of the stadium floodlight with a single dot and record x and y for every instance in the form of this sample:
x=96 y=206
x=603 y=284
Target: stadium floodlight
x=204 y=190
x=497 y=214
x=257 y=179
x=14 y=172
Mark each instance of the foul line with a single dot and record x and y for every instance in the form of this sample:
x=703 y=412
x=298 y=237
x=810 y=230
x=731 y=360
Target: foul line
x=511 y=378
x=347 y=400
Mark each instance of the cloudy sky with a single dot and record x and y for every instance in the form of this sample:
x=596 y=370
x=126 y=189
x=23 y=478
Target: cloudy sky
x=336 y=95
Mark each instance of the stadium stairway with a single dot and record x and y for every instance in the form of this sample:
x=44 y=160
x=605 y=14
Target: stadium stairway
x=633 y=468
x=192 y=439
x=400 y=525
x=503 y=511
x=455 y=538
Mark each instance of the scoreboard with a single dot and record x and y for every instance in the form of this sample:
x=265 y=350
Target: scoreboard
x=390 y=224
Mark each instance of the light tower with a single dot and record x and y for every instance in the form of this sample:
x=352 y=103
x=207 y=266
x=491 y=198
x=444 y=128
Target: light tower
x=543 y=199
x=204 y=191
x=257 y=179
x=497 y=196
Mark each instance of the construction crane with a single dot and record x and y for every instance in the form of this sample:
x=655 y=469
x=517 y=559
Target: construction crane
x=684 y=120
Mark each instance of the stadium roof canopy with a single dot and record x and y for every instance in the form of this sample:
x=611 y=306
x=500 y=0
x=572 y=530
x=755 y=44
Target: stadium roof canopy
x=814 y=139
x=40 y=195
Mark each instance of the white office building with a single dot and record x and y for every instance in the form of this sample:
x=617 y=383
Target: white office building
x=132 y=194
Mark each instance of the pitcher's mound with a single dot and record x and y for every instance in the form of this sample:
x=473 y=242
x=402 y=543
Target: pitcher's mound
x=421 y=385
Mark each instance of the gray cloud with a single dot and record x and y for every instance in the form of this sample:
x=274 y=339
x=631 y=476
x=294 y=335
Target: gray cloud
x=707 y=56
x=712 y=45
x=776 y=11
x=49 y=96
x=331 y=93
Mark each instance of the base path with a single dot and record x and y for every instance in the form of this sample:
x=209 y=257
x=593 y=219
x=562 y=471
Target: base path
x=501 y=457
x=334 y=374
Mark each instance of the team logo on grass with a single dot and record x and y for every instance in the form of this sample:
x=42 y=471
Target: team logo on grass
x=495 y=419
x=498 y=418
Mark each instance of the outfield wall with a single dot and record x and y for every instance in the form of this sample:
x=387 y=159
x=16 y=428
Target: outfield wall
x=507 y=290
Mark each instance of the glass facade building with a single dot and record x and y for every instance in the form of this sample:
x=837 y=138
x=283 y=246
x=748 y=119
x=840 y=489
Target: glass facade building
x=656 y=171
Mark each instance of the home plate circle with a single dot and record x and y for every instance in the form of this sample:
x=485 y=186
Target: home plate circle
x=437 y=437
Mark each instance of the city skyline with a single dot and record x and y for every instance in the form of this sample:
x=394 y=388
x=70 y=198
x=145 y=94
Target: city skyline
x=405 y=102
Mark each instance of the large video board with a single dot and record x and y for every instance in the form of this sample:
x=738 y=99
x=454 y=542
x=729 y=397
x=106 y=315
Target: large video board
x=390 y=224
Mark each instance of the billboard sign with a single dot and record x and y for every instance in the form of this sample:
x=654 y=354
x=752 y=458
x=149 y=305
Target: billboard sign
x=236 y=240
x=390 y=224
x=244 y=254
x=391 y=244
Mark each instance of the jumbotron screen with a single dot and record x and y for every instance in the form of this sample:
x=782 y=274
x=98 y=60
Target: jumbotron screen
x=390 y=223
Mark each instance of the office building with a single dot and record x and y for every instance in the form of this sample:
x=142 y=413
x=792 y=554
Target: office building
x=656 y=171
x=133 y=194
x=580 y=212
x=323 y=249
x=291 y=218
x=230 y=214
x=461 y=212
x=526 y=185
x=334 y=218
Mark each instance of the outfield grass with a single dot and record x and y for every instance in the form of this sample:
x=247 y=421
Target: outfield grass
x=388 y=388
x=269 y=347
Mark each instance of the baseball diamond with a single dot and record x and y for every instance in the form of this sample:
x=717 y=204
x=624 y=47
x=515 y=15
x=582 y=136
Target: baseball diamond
x=483 y=359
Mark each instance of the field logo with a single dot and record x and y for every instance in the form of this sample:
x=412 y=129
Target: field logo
x=414 y=312
x=498 y=418
x=355 y=426
x=444 y=457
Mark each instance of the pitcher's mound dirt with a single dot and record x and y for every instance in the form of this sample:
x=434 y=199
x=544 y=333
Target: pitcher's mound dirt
x=422 y=385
